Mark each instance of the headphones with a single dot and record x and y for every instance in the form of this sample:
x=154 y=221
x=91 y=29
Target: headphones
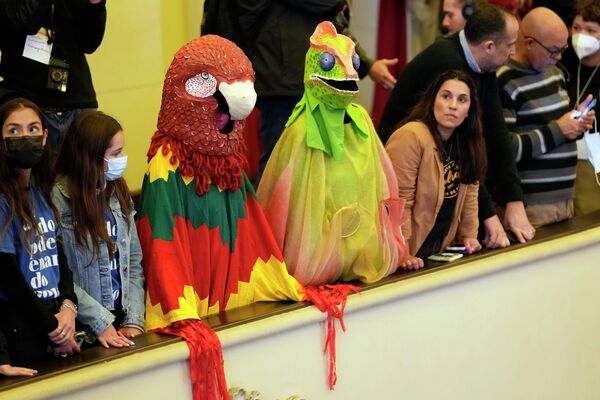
x=467 y=9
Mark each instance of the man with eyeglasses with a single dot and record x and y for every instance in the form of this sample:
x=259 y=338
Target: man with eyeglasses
x=536 y=111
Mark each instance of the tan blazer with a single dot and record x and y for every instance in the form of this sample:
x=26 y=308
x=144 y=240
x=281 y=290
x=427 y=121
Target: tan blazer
x=420 y=176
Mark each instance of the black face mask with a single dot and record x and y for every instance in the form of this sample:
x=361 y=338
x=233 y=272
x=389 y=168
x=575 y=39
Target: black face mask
x=24 y=152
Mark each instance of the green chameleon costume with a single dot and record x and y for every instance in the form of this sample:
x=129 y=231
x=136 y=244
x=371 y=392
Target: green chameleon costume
x=329 y=190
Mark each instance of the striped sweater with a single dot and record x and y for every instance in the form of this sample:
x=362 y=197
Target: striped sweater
x=532 y=102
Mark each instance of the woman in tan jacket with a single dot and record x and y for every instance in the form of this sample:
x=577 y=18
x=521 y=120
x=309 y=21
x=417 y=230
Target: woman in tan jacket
x=439 y=157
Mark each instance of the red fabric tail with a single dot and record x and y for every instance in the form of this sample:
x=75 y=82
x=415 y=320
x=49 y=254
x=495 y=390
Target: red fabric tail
x=330 y=299
x=206 y=358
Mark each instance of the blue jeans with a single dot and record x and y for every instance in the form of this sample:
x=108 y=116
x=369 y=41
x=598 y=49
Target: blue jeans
x=57 y=124
x=274 y=113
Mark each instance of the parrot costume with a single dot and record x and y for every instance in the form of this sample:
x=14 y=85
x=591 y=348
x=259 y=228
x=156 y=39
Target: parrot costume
x=207 y=246
x=329 y=190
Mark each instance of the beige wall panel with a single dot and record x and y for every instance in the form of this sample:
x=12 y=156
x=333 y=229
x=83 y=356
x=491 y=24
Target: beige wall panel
x=522 y=324
x=129 y=67
x=136 y=109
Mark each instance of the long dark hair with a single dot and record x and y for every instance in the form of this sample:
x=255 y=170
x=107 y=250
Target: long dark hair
x=11 y=186
x=472 y=160
x=81 y=161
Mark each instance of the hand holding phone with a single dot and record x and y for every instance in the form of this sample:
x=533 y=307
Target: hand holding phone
x=466 y=246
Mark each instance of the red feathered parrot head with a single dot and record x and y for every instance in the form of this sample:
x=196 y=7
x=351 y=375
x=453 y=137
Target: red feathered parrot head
x=207 y=94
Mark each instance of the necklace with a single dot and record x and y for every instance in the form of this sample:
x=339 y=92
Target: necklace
x=448 y=147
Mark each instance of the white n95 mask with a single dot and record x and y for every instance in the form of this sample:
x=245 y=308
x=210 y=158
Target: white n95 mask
x=584 y=45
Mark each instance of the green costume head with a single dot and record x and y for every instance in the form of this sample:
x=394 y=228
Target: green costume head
x=330 y=69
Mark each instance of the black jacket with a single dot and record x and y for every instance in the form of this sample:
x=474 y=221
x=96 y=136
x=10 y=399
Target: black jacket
x=22 y=298
x=275 y=34
x=79 y=29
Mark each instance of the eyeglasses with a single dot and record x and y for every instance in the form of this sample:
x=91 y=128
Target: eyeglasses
x=553 y=53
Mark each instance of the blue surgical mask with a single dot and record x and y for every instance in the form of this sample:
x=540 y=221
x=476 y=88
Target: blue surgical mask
x=116 y=167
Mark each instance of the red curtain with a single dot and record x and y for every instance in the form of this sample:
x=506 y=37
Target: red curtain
x=391 y=43
x=253 y=144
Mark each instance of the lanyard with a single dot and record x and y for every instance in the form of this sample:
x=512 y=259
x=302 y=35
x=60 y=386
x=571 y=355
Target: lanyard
x=580 y=93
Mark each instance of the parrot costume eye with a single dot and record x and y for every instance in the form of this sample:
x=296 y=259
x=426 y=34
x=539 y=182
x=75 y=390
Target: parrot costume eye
x=327 y=61
x=355 y=61
x=201 y=85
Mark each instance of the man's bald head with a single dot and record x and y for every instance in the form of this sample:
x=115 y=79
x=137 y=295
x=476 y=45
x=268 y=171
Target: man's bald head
x=543 y=21
x=542 y=37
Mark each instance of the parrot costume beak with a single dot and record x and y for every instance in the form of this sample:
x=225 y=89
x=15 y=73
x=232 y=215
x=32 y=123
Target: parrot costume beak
x=236 y=101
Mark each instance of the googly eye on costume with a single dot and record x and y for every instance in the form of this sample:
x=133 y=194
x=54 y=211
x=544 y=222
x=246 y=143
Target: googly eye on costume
x=355 y=61
x=327 y=61
x=201 y=85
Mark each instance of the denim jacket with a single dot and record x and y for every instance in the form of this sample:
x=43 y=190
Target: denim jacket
x=92 y=276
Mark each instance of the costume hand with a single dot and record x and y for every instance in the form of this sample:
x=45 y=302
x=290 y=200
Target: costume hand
x=472 y=245
x=110 y=338
x=412 y=263
x=515 y=219
x=9 y=370
x=65 y=328
x=380 y=72
x=495 y=237
x=130 y=331
x=66 y=349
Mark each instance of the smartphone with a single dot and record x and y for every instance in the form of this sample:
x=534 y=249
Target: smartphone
x=445 y=257
x=586 y=110
x=589 y=107
x=456 y=249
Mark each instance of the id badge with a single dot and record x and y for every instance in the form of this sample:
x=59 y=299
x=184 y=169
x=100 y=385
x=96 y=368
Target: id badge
x=37 y=47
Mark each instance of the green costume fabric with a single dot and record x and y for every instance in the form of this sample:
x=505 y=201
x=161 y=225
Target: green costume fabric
x=329 y=190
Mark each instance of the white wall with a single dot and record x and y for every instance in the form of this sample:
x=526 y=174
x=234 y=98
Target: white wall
x=521 y=324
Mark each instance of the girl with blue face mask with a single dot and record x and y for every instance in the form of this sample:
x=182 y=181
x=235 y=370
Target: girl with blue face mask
x=38 y=305
x=99 y=232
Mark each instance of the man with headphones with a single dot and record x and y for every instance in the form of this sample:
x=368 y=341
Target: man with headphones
x=455 y=14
